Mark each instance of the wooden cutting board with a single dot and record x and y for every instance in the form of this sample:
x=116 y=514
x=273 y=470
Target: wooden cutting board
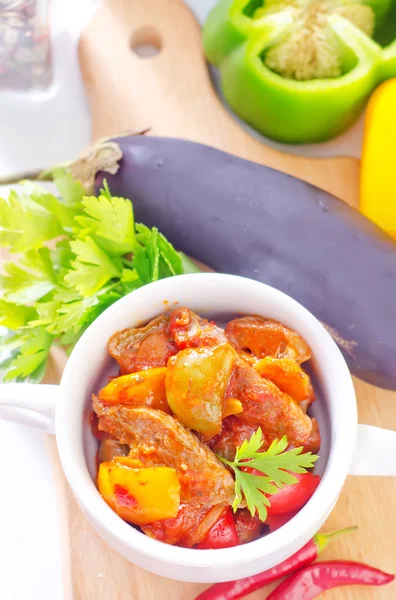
x=171 y=94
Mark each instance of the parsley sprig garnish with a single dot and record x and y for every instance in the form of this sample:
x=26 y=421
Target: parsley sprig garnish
x=276 y=465
x=71 y=256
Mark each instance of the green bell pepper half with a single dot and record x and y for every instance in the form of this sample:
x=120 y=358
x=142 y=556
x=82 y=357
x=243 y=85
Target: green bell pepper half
x=286 y=109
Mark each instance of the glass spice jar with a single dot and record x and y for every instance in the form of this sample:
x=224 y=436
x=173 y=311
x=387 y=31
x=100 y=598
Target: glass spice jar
x=25 y=51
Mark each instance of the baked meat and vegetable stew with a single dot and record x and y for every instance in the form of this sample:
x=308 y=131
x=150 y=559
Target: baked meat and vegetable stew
x=205 y=440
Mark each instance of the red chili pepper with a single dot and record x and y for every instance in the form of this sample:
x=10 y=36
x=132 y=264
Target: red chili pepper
x=292 y=497
x=315 y=579
x=222 y=534
x=232 y=590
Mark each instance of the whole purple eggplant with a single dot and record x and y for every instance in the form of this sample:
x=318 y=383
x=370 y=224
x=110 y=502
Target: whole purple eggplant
x=243 y=218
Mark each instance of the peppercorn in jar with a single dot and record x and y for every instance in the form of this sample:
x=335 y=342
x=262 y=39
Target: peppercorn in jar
x=25 y=63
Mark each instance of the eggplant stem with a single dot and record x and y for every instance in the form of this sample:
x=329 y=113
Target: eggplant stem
x=78 y=167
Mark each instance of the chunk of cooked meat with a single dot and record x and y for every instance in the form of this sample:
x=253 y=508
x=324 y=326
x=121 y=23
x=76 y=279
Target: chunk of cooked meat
x=313 y=442
x=188 y=330
x=265 y=406
x=136 y=349
x=110 y=448
x=188 y=528
x=265 y=337
x=157 y=439
x=233 y=433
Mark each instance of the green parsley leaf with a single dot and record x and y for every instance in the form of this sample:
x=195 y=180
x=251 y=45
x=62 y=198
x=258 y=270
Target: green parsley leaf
x=71 y=316
x=25 y=224
x=105 y=190
x=71 y=190
x=109 y=221
x=10 y=344
x=61 y=257
x=13 y=316
x=30 y=362
x=130 y=280
x=31 y=279
x=75 y=317
x=276 y=465
x=253 y=488
x=188 y=265
x=168 y=257
x=105 y=299
x=62 y=212
x=130 y=276
x=249 y=448
x=92 y=269
x=146 y=255
x=155 y=258
x=47 y=314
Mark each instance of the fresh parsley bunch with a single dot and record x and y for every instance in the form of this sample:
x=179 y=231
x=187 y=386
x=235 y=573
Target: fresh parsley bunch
x=70 y=258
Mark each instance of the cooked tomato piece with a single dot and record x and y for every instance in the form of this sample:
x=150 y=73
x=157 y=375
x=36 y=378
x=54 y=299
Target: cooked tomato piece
x=188 y=528
x=196 y=382
x=222 y=534
x=249 y=528
x=265 y=337
x=275 y=521
x=289 y=377
x=188 y=330
x=136 y=349
x=292 y=497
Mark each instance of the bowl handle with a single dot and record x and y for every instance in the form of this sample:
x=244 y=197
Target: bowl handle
x=375 y=452
x=29 y=404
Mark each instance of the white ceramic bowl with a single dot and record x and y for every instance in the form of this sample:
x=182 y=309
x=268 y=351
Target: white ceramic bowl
x=220 y=297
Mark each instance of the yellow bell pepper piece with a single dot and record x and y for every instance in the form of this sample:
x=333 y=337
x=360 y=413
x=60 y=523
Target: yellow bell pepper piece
x=104 y=484
x=142 y=388
x=139 y=495
x=232 y=406
x=128 y=461
x=378 y=171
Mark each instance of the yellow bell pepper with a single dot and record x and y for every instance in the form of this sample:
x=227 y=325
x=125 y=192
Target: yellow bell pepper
x=142 y=388
x=232 y=406
x=378 y=171
x=139 y=495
